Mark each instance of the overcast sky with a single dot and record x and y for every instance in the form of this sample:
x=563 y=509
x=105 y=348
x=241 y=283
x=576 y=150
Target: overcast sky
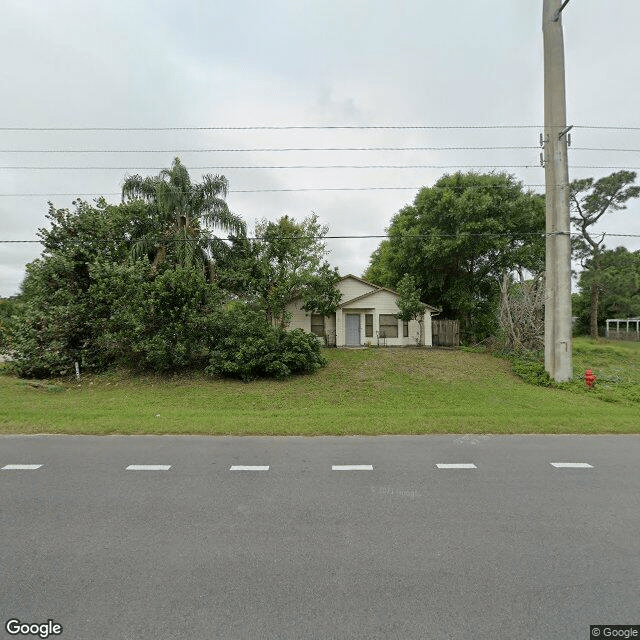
x=248 y=63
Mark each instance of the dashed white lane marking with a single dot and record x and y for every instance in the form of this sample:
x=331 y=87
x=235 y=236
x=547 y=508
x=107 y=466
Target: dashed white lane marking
x=247 y=467
x=335 y=467
x=148 y=467
x=352 y=467
x=457 y=465
x=22 y=466
x=571 y=465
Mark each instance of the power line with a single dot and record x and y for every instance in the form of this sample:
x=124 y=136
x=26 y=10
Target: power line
x=300 y=149
x=604 y=149
x=268 y=149
x=321 y=127
x=611 y=128
x=318 y=167
x=371 y=236
x=279 y=127
x=292 y=166
x=294 y=189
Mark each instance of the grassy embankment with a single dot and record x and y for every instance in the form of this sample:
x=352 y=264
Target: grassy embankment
x=372 y=391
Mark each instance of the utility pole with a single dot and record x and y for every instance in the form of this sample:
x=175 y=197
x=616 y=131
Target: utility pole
x=557 y=321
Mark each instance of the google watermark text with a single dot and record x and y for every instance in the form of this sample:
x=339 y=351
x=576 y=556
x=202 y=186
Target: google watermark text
x=40 y=629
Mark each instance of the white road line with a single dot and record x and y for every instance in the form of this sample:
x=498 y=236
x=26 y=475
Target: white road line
x=148 y=467
x=247 y=467
x=352 y=467
x=571 y=465
x=457 y=465
x=22 y=466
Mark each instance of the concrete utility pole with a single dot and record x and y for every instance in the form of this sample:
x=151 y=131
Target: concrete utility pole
x=557 y=321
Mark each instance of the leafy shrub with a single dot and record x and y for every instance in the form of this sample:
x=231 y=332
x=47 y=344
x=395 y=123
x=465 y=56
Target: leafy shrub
x=84 y=300
x=55 y=322
x=8 y=308
x=246 y=346
x=161 y=323
x=58 y=321
x=301 y=351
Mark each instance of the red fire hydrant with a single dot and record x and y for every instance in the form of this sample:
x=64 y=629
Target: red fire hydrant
x=589 y=378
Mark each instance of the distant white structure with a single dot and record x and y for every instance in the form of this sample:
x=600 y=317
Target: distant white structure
x=629 y=332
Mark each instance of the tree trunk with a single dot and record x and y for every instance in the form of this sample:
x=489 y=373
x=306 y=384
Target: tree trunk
x=159 y=258
x=595 y=292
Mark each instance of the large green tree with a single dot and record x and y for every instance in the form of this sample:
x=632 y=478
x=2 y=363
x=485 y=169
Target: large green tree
x=84 y=299
x=164 y=322
x=457 y=240
x=617 y=274
x=8 y=308
x=590 y=200
x=57 y=319
x=286 y=260
x=184 y=216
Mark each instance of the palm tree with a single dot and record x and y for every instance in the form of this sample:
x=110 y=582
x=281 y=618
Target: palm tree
x=184 y=215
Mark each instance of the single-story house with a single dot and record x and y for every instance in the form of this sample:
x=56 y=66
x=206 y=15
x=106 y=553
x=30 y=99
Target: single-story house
x=367 y=314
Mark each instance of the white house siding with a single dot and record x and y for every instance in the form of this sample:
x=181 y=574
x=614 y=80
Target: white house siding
x=351 y=288
x=379 y=302
x=329 y=329
x=300 y=319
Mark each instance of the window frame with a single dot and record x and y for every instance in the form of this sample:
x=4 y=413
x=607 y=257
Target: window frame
x=368 y=327
x=317 y=324
x=385 y=327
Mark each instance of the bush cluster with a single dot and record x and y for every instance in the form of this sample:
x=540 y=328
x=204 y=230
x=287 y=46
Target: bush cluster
x=134 y=285
x=174 y=321
x=153 y=324
x=246 y=346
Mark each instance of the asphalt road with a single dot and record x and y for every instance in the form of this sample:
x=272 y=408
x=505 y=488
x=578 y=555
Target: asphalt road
x=511 y=548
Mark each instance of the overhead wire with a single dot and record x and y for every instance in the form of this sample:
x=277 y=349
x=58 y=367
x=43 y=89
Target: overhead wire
x=333 y=166
x=268 y=149
x=323 y=127
x=292 y=189
x=291 y=166
x=307 y=149
x=373 y=236
x=280 y=127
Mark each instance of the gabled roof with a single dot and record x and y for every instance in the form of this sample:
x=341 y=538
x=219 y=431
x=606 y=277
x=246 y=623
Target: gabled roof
x=376 y=289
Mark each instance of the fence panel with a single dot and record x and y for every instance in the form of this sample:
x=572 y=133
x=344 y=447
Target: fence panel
x=445 y=333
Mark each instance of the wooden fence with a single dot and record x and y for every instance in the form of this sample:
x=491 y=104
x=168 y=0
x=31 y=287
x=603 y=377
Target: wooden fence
x=445 y=333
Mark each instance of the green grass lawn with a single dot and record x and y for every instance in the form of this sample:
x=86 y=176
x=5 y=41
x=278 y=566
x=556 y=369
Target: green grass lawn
x=369 y=391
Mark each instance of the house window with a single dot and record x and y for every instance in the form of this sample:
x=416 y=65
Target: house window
x=317 y=324
x=368 y=325
x=405 y=329
x=388 y=325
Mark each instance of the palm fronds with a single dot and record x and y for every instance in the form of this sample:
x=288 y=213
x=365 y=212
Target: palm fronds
x=183 y=211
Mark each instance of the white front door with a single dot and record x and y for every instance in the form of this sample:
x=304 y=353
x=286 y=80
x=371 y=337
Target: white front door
x=352 y=326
